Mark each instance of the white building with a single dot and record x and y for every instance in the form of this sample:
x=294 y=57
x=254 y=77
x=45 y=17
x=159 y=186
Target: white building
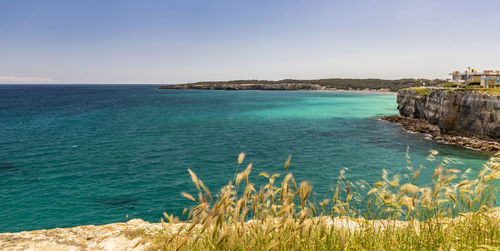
x=474 y=77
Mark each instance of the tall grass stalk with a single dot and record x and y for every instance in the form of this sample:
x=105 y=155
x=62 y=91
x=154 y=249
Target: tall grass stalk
x=453 y=212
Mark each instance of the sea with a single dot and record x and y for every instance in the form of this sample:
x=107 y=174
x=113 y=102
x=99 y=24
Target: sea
x=94 y=154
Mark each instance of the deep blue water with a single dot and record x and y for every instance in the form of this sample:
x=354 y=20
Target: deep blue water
x=87 y=154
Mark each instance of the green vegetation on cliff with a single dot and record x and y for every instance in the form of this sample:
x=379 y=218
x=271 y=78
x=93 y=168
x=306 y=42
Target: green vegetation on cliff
x=491 y=91
x=422 y=91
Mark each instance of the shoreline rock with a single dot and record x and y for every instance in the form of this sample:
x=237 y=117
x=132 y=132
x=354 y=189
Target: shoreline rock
x=423 y=126
x=115 y=236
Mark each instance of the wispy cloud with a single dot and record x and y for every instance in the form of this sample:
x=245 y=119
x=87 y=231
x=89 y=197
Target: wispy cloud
x=24 y=80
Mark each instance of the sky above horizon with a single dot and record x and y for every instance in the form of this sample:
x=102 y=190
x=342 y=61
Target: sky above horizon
x=153 y=41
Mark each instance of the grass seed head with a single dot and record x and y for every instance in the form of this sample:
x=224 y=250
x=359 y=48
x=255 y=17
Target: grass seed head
x=287 y=163
x=409 y=189
x=241 y=157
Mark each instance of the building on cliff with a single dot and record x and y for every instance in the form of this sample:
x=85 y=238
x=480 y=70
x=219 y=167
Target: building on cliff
x=474 y=77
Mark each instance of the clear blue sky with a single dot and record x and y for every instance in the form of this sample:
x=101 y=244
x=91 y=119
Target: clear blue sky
x=146 y=41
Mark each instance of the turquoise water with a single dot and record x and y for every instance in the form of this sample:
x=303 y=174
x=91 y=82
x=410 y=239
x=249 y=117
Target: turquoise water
x=73 y=155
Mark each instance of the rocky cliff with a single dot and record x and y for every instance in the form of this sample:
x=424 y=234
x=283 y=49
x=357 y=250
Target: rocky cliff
x=255 y=86
x=456 y=112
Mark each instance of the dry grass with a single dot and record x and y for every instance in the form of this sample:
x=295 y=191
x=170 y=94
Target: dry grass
x=491 y=91
x=455 y=212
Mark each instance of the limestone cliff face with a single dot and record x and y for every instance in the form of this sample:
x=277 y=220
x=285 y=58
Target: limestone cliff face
x=464 y=113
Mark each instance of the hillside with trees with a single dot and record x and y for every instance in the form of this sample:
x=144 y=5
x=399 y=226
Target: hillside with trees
x=330 y=83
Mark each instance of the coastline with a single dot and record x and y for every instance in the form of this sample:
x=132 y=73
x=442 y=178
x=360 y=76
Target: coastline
x=276 y=87
x=384 y=92
x=434 y=133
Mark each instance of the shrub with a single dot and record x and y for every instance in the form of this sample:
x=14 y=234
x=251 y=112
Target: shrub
x=422 y=91
x=450 y=85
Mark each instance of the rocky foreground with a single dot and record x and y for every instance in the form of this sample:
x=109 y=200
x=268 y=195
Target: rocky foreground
x=435 y=133
x=137 y=234
x=116 y=236
x=133 y=235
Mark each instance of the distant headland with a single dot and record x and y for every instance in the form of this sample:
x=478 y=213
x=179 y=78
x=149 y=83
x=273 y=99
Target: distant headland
x=381 y=85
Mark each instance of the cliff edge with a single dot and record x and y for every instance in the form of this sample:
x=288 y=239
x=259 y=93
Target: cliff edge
x=457 y=112
x=470 y=119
